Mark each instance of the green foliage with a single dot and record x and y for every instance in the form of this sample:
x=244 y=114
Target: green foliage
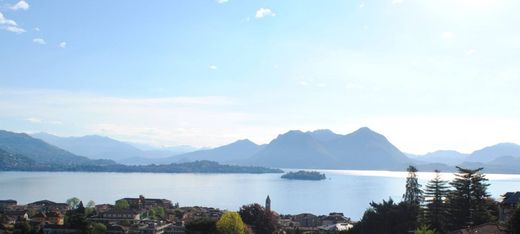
x=469 y=202
x=304 y=175
x=122 y=204
x=258 y=218
x=514 y=222
x=91 y=204
x=436 y=212
x=424 y=229
x=90 y=211
x=201 y=226
x=387 y=217
x=98 y=228
x=413 y=194
x=73 y=202
x=230 y=223
x=22 y=227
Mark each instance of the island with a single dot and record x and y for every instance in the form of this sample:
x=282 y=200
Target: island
x=304 y=175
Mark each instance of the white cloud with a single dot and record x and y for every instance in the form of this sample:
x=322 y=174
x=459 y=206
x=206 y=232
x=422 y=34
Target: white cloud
x=353 y=86
x=40 y=41
x=9 y=25
x=471 y=52
x=15 y=29
x=34 y=120
x=168 y=120
x=21 y=5
x=62 y=44
x=448 y=35
x=303 y=83
x=321 y=85
x=6 y=21
x=397 y=2
x=37 y=29
x=213 y=67
x=221 y=1
x=263 y=12
x=361 y=5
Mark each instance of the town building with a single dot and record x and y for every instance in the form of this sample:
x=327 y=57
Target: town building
x=118 y=214
x=146 y=203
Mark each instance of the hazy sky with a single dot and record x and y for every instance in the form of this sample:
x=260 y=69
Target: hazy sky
x=427 y=74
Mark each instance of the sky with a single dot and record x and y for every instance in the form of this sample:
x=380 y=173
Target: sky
x=429 y=75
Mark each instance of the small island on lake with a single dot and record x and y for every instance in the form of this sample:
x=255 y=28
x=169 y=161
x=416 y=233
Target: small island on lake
x=304 y=175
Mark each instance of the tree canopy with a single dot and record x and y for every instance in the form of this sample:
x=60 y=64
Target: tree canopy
x=260 y=220
x=73 y=202
x=436 y=212
x=122 y=204
x=230 y=223
x=469 y=202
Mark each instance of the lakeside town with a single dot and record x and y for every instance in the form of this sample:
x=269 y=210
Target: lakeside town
x=153 y=216
x=161 y=216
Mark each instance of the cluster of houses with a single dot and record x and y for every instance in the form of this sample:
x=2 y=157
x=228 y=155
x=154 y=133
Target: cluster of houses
x=136 y=217
x=49 y=217
x=307 y=222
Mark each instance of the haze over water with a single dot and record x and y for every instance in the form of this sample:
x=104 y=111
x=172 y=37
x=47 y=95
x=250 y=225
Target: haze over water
x=344 y=191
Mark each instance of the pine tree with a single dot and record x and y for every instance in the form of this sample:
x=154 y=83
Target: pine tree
x=469 y=201
x=436 y=211
x=413 y=194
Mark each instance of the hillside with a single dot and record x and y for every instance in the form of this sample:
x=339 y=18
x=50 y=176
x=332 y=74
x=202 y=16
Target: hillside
x=294 y=149
x=493 y=152
x=39 y=151
x=231 y=153
x=101 y=147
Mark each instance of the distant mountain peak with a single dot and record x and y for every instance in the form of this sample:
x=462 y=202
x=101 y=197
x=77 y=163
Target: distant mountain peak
x=364 y=130
x=322 y=131
x=244 y=141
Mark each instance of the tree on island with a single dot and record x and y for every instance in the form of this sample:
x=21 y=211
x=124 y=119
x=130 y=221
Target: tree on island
x=230 y=223
x=469 y=202
x=258 y=218
x=435 y=209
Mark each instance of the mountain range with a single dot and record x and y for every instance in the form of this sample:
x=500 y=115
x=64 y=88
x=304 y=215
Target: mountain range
x=101 y=147
x=320 y=149
x=24 y=148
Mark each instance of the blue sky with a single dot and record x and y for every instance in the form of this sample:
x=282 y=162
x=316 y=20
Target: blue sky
x=427 y=74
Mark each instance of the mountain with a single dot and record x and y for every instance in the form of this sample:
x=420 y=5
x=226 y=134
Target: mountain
x=100 y=147
x=92 y=146
x=362 y=149
x=39 y=151
x=449 y=157
x=324 y=135
x=231 y=153
x=294 y=149
x=166 y=151
x=11 y=161
x=493 y=152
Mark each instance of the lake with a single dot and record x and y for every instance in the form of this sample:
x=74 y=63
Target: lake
x=344 y=191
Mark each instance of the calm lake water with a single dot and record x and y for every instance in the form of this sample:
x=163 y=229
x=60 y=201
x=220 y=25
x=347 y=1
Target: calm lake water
x=344 y=190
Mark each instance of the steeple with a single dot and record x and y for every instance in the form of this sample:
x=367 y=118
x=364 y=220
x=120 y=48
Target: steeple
x=268 y=204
